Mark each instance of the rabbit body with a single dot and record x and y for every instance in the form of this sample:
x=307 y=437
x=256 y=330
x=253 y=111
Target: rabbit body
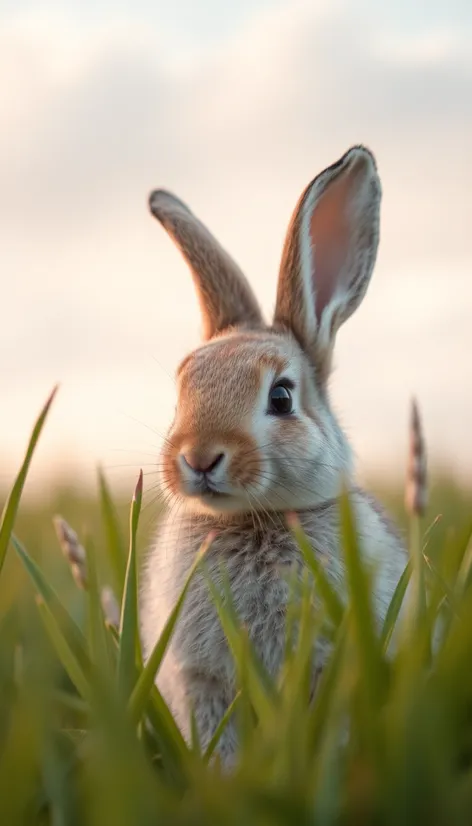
x=198 y=670
x=254 y=437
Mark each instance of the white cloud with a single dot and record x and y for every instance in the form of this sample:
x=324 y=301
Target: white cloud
x=91 y=120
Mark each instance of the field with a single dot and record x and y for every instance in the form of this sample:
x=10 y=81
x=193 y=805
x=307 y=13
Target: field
x=85 y=737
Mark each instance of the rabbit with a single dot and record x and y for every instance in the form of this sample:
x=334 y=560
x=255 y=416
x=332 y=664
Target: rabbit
x=254 y=437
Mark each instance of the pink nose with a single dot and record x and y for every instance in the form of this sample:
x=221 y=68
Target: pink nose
x=202 y=461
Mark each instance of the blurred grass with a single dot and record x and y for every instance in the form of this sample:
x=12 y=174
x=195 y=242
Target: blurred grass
x=450 y=504
x=86 y=738
x=82 y=508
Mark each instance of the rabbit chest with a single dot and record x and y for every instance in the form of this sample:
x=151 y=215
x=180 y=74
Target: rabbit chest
x=258 y=565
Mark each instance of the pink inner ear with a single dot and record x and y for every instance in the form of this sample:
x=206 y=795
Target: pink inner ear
x=330 y=235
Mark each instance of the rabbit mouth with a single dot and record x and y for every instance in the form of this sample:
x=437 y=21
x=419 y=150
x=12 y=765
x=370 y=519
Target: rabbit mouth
x=209 y=492
x=213 y=493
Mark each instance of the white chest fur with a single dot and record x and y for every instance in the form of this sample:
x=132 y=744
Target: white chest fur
x=256 y=562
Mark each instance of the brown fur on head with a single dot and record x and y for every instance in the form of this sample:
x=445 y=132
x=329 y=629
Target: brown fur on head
x=253 y=427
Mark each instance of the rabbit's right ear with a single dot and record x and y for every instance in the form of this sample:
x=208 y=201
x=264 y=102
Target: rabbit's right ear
x=224 y=295
x=329 y=254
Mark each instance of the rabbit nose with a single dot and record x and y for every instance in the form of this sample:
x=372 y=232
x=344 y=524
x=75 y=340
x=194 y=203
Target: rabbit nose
x=202 y=462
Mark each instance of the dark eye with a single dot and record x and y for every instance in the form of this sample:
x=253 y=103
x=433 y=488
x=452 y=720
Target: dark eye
x=280 y=400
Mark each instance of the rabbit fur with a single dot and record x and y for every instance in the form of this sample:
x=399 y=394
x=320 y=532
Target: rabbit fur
x=254 y=436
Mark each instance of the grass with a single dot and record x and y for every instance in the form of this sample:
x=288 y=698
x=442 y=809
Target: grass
x=86 y=738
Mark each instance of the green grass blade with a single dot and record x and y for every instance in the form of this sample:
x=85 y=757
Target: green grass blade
x=332 y=601
x=71 y=630
x=115 y=541
x=63 y=650
x=299 y=679
x=262 y=690
x=167 y=730
x=371 y=663
x=454 y=553
x=10 y=510
x=130 y=648
x=418 y=603
x=464 y=574
x=168 y=744
x=443 y=588
x=296 y=677
x=227 y=612
x=143 y=687
x=329 y=780
x=394 y=607
x=325 y=693
x=213 y=744
x=164 y=728
x=114 y=635
x=98 y=636
x=246 y=717
x=307 y=625
x=457 y=566
x=71 y=702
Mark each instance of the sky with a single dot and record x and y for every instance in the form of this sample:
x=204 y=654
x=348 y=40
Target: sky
x=234 y=107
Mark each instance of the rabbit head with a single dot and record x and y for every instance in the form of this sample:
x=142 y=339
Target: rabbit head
x=253 y=428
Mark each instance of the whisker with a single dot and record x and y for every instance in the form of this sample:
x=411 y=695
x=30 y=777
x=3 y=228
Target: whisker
x=255 y=514
x=295 y=485
x=128 y=465
x=130 y=450
x=172 y=378
x=148 y=427
x=265 y=511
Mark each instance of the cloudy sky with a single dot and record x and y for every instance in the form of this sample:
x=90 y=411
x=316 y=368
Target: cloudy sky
x=235 y=107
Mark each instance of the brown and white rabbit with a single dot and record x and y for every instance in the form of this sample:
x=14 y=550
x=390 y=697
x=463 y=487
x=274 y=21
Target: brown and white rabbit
x=254 y=436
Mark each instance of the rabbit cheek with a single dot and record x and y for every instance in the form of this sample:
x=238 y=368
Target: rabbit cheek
x=245 y=465
x=294 y=448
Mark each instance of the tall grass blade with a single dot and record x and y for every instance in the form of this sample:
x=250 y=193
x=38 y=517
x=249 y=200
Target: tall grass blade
x=321 y=714
x=143 y=687
x=394 y=607
x=464 y=571
x=165 y=728
x=99 y=639
x=332 y=601
x=10 y=510
x=130 y=647
x=75 y=638
x=64 y=651
x=261 y=688
x=371 y=665
x=418 y=591
x=221 y=727
x=115 y=541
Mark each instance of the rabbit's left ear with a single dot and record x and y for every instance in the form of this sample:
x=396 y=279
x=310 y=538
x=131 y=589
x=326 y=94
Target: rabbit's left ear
x=225 y=297
x=329 y=254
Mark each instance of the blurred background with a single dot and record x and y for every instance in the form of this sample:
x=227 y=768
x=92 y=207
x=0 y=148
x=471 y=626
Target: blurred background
x=235 y=107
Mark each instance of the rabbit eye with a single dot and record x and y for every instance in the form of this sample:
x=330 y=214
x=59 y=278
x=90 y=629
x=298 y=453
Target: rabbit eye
x=280 y=400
